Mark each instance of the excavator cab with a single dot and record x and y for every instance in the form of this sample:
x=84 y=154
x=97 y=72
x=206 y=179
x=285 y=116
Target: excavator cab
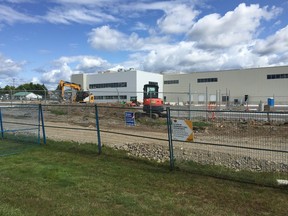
x=153 y=106
x=150 y=91
x=151 y=101
x=84 y=97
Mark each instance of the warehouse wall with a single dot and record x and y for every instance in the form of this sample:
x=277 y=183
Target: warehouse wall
x=253 y=83
x=236 y=83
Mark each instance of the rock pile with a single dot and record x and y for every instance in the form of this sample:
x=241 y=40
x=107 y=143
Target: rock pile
x=154 y=152
x=160 y=154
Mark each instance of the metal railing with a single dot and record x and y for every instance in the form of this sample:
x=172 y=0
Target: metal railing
x=237 y=140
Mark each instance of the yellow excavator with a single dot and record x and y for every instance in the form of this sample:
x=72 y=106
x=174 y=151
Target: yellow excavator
x=80 y=97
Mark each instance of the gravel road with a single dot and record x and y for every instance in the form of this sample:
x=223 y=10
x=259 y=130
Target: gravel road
x=125 y=138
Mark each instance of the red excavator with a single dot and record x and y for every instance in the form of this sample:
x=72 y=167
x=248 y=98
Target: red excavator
x=152 y=105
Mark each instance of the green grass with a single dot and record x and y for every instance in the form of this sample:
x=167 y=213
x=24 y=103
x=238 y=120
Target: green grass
x=201 y=124
x=13 y=143
x=72 y=179
x=268 y=179
x=152 y=122
x=59 y=111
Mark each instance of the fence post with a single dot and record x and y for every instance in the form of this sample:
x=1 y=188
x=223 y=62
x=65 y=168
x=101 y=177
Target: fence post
x=98 y=130
x=1 y=124
x=220 y=99
x=206 y=103
x=41 y=119
x=171 y=156
x=150 y=104
x=178 y=105
x=189 y=101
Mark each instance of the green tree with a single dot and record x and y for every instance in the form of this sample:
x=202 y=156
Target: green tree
x=35 y=88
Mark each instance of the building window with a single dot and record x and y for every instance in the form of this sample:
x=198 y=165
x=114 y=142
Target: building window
x=153 y=83
x=171 y=81
x=205 y=80
x=225 y=98
x=277 y=76
x=99 y=97
x=111 y=97
x=133 y=98
x=108 y=85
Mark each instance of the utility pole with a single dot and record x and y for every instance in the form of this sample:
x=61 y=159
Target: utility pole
x=12 y=89
x=44 y=92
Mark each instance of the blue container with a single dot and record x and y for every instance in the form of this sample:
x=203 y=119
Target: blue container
x=271 y=102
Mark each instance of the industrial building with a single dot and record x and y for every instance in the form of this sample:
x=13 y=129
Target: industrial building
x=120 y=85
x=234 y=86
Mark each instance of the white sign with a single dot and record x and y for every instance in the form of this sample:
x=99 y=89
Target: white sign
x=182 y=130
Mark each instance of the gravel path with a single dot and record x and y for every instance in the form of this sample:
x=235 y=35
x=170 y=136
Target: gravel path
x=154 y=149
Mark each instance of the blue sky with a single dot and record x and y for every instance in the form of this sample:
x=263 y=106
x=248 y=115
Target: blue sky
x=46 y=41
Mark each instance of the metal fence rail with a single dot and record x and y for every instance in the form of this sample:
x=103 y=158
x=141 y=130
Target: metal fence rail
x=255 y=141
x=187 y=99
x=23 y=124
x=240 y=140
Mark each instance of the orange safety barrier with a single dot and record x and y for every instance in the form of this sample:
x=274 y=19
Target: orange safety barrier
x=211 y=106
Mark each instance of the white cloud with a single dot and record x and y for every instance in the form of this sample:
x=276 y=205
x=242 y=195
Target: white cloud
x=183 y=56
x=35 y=80
x=10 y=16
x=55 y=75
x=19 y=1
x=84 y=63
x=187 y=57
x=65 y=12
x=213 y=42
x=178 y=19
x=235 y=27
x=9 y=67
x=65 y=66
x=88 y=63
x=106 y=38
x=277 y=43
x=67 y=15
x=83 y=2
x=110 y=39
x=233 y=35
x=274 y=49
x=140 y=26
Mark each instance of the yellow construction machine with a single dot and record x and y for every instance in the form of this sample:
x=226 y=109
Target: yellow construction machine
x=80 y=97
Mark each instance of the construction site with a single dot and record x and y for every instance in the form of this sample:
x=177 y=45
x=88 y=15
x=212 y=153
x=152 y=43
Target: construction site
x=239 y=135
x=239 y=140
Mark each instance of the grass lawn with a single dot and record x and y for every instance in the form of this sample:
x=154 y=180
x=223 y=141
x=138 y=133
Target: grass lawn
x=71 y=179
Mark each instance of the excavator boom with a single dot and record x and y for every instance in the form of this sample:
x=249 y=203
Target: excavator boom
x=81 y=96
x=62 y=84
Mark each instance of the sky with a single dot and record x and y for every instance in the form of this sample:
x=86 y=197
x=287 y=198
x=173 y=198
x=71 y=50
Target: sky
x=47 y=41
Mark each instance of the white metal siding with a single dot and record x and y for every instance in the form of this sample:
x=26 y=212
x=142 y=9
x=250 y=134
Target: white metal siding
x=146 y=77
x=135 y=83
x=113 y=77
x=237 y=83
x=79 y=79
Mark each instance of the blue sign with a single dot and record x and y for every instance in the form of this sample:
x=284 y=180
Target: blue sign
x=130 y=118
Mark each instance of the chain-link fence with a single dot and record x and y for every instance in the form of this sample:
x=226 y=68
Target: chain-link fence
x=21 y=123
x=253 y=141
x=236 y=140
x=78 y=123
x=186 y=100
